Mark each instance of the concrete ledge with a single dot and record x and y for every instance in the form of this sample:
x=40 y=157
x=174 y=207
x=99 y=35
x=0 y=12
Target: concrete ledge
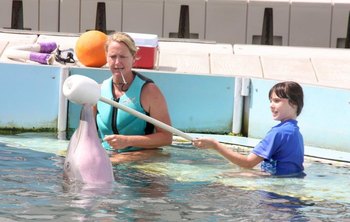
x=251 y=142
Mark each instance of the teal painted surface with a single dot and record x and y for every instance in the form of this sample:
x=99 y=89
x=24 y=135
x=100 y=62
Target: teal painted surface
x=199 y=104
x=196 y=103
x=260 y=119
x=74 y=109
x=29 y=96
x=324 y=121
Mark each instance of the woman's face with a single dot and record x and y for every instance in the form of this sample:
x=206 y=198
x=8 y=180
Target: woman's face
x=119 y=58
x=281 y=109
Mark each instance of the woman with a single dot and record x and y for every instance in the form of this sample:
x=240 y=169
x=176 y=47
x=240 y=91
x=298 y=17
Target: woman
x=121 y=131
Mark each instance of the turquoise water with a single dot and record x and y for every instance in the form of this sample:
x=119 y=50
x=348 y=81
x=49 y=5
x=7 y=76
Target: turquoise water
x=181 y=184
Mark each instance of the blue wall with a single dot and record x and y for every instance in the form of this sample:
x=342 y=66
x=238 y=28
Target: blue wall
x=29 y=96
x=196 y=103
x=324 y=121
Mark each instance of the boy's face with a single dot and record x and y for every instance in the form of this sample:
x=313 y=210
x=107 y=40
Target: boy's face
x=281 y=109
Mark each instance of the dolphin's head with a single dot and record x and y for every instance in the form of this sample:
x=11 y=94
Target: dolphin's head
x=87 y=161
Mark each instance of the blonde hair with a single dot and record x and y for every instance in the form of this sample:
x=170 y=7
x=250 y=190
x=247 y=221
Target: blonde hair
x=124 y=38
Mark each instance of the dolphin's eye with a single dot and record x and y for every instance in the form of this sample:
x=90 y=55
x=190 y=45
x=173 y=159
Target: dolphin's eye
x=67 y=166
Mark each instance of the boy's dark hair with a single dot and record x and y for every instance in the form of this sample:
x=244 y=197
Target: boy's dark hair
x=289 y=90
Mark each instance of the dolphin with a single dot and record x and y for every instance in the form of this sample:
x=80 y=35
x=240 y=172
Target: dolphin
x=87 y=162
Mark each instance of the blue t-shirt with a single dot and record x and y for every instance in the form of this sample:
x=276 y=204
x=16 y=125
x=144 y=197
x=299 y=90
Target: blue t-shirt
x=282 y=150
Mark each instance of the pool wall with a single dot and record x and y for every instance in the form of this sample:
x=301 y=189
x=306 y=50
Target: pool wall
x=29 y=96
x=324 y=120
x=197 y=103
x=31 y=99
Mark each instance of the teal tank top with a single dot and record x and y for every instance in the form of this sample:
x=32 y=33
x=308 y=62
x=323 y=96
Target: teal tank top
x=111 y=120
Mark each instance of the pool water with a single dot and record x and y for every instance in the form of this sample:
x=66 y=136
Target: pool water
x=182 y=184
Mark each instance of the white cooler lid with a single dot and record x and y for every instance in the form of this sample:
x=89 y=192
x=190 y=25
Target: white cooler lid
x=147 y=40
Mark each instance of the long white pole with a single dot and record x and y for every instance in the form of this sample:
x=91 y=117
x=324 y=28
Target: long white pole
x=83 y=90
x=147 y=118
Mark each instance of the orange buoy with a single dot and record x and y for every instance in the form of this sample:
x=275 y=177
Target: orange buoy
x=90 y=48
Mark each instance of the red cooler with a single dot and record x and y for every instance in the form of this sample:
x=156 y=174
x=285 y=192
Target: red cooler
x=147 y=53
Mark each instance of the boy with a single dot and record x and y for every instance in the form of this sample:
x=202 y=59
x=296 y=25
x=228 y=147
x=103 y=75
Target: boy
x=282 y=150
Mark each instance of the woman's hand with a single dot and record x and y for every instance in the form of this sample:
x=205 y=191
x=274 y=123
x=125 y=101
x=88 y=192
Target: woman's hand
x=117 y=141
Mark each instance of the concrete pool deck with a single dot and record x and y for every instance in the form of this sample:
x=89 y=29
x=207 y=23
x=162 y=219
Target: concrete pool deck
x=327 y=67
